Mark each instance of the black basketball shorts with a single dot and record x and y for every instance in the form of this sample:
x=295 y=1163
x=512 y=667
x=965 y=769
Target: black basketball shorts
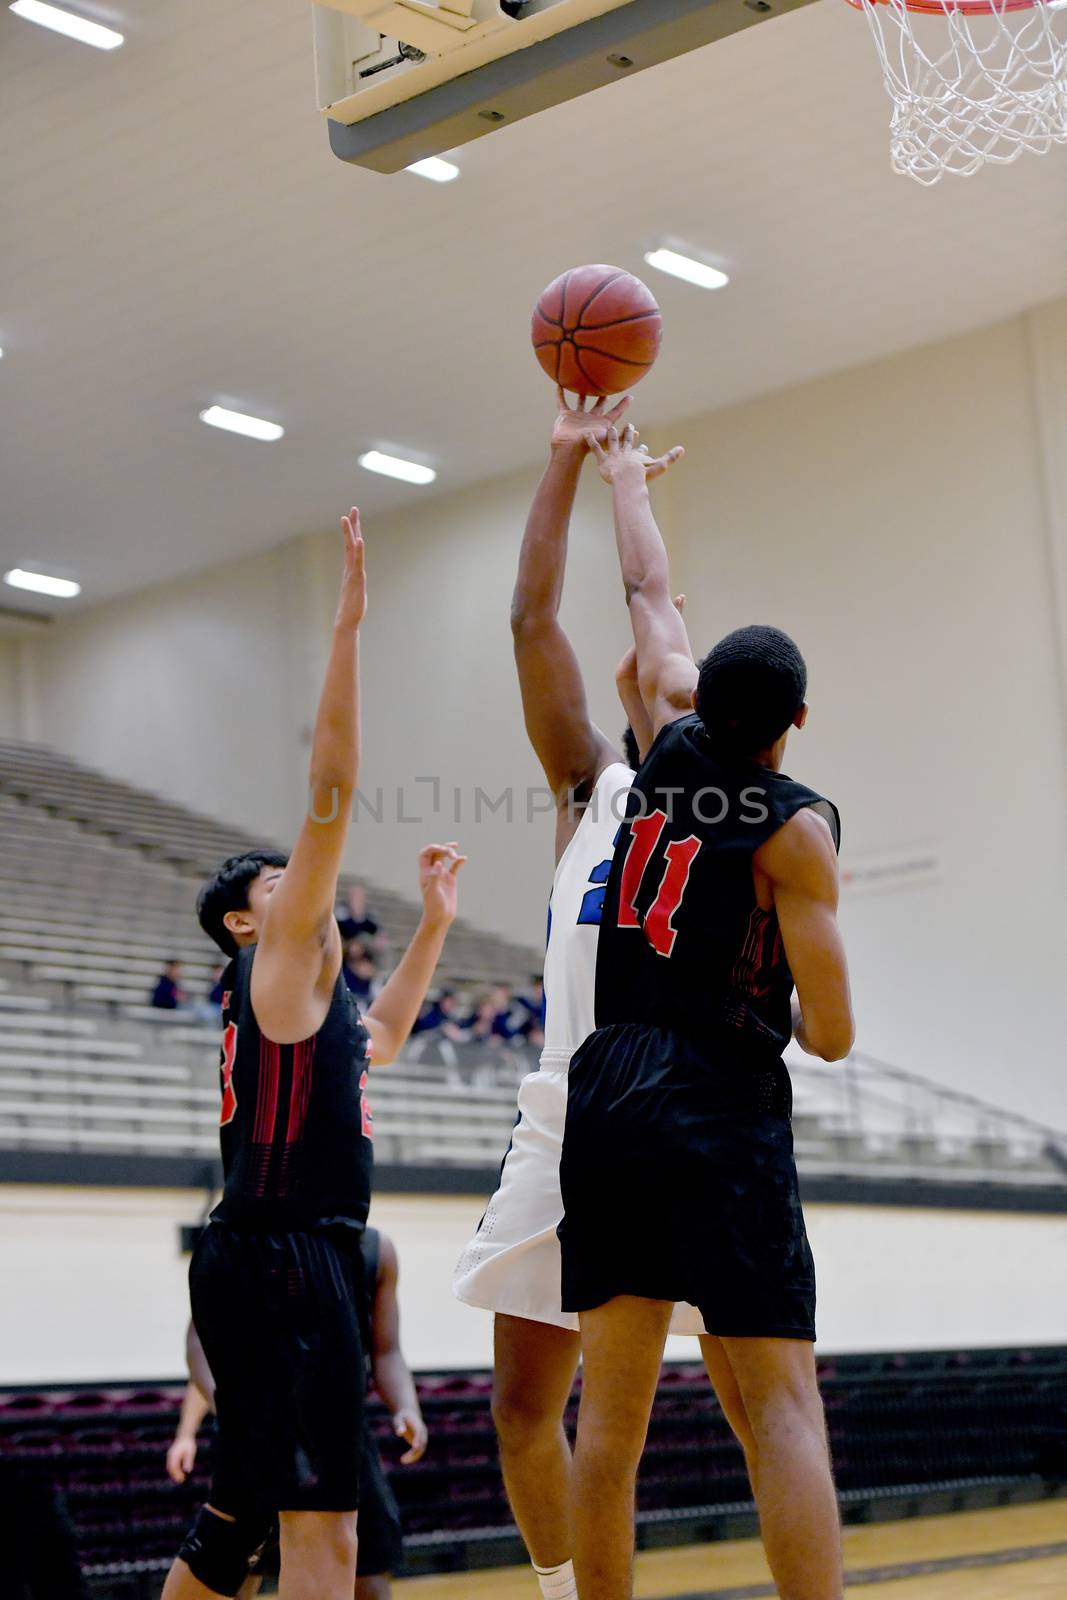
x=678 y=1185
x=381 y=1537
x=277 y=1316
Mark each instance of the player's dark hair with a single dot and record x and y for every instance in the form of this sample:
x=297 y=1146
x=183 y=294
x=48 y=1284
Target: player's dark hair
x=228 y=891
x=750 y=688
x=629 y=748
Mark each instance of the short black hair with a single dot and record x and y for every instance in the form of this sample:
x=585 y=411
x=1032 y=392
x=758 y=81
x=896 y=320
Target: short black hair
x=629 y=748
x=228 y=891
x=750 y=688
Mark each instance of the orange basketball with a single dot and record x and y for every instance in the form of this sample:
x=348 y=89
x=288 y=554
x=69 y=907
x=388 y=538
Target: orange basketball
x=596 y=330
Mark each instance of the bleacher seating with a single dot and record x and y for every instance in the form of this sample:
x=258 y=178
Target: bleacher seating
x=97 y=886
x=106 y=874
x=910 y=1433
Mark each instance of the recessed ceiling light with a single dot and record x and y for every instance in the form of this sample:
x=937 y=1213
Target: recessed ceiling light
x=238 y=422
x=435 y=169
x=396 y=467
x=42 y=583
x=686 y=267
x=68 y=22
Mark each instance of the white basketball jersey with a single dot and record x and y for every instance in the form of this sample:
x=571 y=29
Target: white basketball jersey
x=574 y=913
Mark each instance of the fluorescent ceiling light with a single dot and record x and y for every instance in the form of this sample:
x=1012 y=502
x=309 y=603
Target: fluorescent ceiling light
x=42 y=583
x=237 y=422
x=68 y=22
x=686 y=267
x=395 y=467
x=435 y=169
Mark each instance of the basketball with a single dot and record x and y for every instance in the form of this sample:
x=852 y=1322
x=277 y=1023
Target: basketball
x=596 y=330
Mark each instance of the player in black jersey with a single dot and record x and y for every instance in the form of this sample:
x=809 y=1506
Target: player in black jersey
x=678 y=1177
x=234 y=1561
x=273 y=1279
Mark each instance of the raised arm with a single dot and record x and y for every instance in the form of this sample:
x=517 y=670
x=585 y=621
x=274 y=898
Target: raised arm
x=568 y=746
x=630 y=693
x=390 y=1372
x=299 y=951
x=666 y=672
x=391 y=1017
x=801 y=863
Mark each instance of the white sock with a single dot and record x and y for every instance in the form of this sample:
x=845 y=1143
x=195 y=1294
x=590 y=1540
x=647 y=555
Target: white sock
x=557 y=1583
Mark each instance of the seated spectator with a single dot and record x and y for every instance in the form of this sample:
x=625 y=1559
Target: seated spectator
x=439 y=1016
x=168 y=994
x=355 y=922
x=360 y=971
x=490 y=1022
x=506 y=1024
x=209 y=1009
x=530 y=1010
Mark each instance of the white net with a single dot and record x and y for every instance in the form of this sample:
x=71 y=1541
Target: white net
x=971 y=80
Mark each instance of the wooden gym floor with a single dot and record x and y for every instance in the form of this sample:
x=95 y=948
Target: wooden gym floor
x=1017 y=1553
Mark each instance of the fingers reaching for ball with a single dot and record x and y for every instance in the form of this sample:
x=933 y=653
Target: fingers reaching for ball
x=619 y=455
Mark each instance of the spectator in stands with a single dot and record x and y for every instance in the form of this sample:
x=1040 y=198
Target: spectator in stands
x=237 y=1564
x=480 y=1027
x=217 y=986
x=530 y=1011
x=505 y=1023
x=356 y=921
x=440 y=1016
x=168 y=994
x=360 y=971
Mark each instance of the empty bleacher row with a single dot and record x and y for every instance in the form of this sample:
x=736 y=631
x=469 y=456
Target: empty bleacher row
x=915 y=1432
x=96 y=869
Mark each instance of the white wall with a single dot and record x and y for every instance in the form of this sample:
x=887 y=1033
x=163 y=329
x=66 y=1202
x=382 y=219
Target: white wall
x=10 y=719
x=907 y=521
x=102 y=1286
x=892 y=519
x=183 y=689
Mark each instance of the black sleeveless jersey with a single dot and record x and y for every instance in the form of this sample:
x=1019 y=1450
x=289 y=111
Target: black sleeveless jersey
x=296 y=1128
x=683 y=943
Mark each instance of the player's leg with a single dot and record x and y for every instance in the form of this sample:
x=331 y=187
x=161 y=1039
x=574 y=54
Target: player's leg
x=377 y=1588
x=318 y=1555
x=381 y=1536
x=728 y=1395
x=795 y=1489
x=533 y=1374
x=622 y=1349
x=213 y=1560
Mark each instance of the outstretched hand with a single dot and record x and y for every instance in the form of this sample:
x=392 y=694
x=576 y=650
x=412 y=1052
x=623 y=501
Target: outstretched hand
x=576 y=425
x=439 y=865
x=620 y=456
x=352 y=606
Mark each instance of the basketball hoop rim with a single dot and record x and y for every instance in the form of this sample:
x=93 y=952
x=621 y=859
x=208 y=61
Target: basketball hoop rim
x=966 y=8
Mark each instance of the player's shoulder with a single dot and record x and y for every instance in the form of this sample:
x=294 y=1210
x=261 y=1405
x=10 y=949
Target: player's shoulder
x=804 y=844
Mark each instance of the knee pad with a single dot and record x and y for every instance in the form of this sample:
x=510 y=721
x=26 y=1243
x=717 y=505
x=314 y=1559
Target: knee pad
x=218 y=1552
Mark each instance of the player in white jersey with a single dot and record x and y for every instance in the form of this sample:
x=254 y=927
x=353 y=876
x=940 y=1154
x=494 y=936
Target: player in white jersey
x=512 y=1265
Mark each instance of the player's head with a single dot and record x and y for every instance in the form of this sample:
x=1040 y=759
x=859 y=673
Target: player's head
x=630 y=751
x=751 y=689
x=231 y=905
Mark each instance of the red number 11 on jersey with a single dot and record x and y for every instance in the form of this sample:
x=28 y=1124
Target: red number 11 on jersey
x=658 y=923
